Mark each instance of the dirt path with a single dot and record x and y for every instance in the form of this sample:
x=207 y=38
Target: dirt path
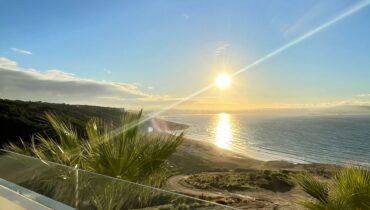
x=256 y=199
x=234 y=199
x=177 y=183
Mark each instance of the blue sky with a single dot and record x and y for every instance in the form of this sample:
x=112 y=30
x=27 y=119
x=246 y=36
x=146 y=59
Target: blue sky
x=163 y=50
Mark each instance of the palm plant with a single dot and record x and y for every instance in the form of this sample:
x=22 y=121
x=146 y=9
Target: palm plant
x=129 y=153
x=348 y=189
x=65 y=149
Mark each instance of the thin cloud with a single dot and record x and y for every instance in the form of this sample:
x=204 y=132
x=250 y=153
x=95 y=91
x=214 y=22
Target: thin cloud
x=219 y=50
x=137 y=84
x=327 y=104
x=21 y=51
x=363 y=95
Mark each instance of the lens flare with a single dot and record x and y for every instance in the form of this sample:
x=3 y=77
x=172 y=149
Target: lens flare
x=355 y=8
x=223 y=80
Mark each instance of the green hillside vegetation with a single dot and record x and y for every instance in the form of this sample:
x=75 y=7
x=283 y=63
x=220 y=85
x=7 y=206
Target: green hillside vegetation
x=21 y=119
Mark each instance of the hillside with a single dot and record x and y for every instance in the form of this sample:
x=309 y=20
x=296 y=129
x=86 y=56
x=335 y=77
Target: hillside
x=21 y=119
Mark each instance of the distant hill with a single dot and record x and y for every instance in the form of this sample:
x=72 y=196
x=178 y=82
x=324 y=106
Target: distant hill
x=20 y=119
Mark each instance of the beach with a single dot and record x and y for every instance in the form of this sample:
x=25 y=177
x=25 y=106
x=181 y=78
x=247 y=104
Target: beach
x=204 y=159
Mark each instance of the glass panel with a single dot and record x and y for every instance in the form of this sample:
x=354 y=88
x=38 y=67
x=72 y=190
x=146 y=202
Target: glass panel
x=85 y=190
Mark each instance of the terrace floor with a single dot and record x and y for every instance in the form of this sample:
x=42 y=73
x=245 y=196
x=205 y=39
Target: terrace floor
x=14 y=197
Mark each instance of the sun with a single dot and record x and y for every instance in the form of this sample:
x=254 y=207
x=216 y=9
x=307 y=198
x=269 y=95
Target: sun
x=223 y=80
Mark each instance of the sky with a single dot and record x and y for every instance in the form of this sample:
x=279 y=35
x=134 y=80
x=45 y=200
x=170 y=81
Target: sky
x=152 y=54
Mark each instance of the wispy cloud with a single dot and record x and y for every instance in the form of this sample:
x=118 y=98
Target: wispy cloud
x=325 y=104
x=222 y=48
x=60 y=86
x=21 y=51
x=363 y=95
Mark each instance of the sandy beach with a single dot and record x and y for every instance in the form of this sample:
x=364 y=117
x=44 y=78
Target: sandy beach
x=202 y=159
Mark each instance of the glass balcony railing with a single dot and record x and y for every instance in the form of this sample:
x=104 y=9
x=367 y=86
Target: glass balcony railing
x=60 y=187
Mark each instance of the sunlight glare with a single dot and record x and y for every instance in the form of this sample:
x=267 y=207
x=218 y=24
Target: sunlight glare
x=223 y=80
x=223 y=131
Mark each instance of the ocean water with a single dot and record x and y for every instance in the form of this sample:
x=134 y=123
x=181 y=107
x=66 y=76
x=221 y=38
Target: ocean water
x=339 y=139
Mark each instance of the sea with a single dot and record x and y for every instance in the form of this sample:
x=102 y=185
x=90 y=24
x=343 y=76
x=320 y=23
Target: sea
x=338 y=139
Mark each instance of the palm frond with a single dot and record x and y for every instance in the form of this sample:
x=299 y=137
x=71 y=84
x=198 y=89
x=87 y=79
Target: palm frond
x=313 y=187
x=132 y=154
x=351 y=186
x=348 y=189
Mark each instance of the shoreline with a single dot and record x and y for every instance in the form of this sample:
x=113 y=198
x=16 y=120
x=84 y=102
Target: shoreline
x=268 y=154
x=195 y=158
x=257 y=154
x=252 y=154
x=261 y=154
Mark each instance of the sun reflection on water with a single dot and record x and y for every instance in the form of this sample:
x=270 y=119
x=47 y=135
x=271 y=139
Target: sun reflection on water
x=223 y=136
